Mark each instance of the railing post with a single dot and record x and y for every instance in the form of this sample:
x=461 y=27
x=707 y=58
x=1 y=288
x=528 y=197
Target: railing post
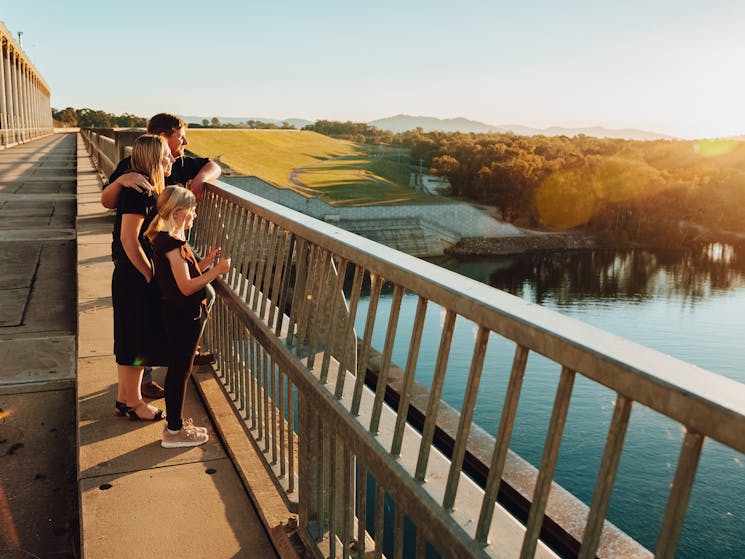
x=124 y=139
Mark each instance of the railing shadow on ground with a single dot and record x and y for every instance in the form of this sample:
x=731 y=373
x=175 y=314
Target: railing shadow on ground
x=341 y=443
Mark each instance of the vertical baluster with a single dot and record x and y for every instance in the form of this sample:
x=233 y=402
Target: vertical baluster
x=239 y=252
x=361 y=540
x=247 y=356
x=376 y=283
x=271 y=259
x=347 y=527
x=265 y=393
x=219 y=342
x=261 y=266
x=305 y=468
x=398 y=532
x=222 y=231
x=354 y=298
x=306 y=298
x=237 y=351
x=285 y=284
x=257 y=390
x=213 y=225
x=282 y=421
x=229 y=354
x=331 y=485
x=680 y=492
x=273 y=386
x=319 y=303
x=279 y=270
x=248 y=254
x=230 y=236
x=334 y=325
x=466 y=416
x=435 y=394
x=421 y=544
x=255 y=258
x=291 y=457
x=606 y=476
x=390 y=339
x=501 y=444
x=298 y=294
x=379 y=518
x=255 y=399
x=411 y=361
x=245 y=378
x=548 y=463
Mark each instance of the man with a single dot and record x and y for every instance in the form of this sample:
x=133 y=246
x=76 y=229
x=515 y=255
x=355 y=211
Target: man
x=191 y=172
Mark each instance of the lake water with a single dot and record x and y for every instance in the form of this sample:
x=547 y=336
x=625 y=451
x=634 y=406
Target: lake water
x=689 y=304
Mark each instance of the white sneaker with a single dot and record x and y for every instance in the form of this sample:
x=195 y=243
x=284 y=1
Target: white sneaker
x=188 y=423
x=186 y=436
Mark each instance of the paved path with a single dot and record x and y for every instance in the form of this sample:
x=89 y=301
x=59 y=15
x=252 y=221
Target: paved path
x=38 y=494
x=135 y=498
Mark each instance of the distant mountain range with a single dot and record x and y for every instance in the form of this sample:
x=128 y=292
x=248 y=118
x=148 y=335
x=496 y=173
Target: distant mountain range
x=402 y=123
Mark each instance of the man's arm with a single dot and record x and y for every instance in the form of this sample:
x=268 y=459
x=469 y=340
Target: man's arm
x=110 y=193
x=209 y=172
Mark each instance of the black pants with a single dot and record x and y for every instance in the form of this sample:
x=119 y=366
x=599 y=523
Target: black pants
x=184 y=326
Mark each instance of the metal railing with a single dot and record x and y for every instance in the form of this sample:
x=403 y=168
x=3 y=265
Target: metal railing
x=108 y=145
x=280 y=338
x=360 y=474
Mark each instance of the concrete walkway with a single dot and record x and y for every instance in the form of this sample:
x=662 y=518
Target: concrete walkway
x=132 y=497
x=38 y=493
x=137 y=498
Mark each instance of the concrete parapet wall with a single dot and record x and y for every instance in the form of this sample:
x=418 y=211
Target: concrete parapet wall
x=451 y=221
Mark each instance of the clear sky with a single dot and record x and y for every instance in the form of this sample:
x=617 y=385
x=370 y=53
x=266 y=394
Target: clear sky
x=671 y=66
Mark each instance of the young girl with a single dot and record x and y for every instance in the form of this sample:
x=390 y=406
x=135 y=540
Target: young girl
x=131 y=292
x=185 y=283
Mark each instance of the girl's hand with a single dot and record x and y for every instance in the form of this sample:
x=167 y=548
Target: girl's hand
x=223 y=266
x=212 y=256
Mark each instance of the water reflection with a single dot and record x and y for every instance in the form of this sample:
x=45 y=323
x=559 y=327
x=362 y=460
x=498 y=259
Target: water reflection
x=632 y=274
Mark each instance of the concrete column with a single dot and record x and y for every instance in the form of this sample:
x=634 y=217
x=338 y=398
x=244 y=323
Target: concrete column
x=24 y=100
x=16 y=70
x=3 y=105
x=9 y=76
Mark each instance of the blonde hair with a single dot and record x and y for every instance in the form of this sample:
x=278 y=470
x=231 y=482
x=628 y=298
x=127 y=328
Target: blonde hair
x=147 y=159
x=171 y=200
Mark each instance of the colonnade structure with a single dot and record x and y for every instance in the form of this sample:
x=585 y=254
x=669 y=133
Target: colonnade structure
x=25 y=109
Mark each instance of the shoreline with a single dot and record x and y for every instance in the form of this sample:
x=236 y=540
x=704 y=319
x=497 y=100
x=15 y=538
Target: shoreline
x=522 y=244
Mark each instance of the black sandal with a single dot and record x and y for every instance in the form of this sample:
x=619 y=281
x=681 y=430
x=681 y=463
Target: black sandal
x=134 y=417
x=120 y=409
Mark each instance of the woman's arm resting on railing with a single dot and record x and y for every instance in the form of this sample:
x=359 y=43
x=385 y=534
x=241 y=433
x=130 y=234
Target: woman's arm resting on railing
x=110 y=193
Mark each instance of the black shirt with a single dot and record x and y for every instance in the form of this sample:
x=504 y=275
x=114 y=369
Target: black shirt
x=131 y=202
x=162 y=244
x=184 y=169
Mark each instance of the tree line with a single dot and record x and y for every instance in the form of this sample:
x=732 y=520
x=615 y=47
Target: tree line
x=91 y=118
x=661 y=192
x=666 y=191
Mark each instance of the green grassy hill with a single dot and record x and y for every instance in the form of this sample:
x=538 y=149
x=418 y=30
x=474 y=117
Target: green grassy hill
x=337 y=171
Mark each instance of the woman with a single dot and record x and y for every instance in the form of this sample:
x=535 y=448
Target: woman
x=131 y=291
x=188 y=295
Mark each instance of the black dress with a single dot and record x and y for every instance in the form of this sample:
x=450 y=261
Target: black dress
x=138 y=331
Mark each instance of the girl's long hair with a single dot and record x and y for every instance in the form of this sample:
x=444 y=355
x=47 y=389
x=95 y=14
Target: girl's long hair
x=147 y=159
x=172 y=199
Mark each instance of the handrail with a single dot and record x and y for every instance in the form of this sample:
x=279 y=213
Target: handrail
x=297 y=371
x=271 y=243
